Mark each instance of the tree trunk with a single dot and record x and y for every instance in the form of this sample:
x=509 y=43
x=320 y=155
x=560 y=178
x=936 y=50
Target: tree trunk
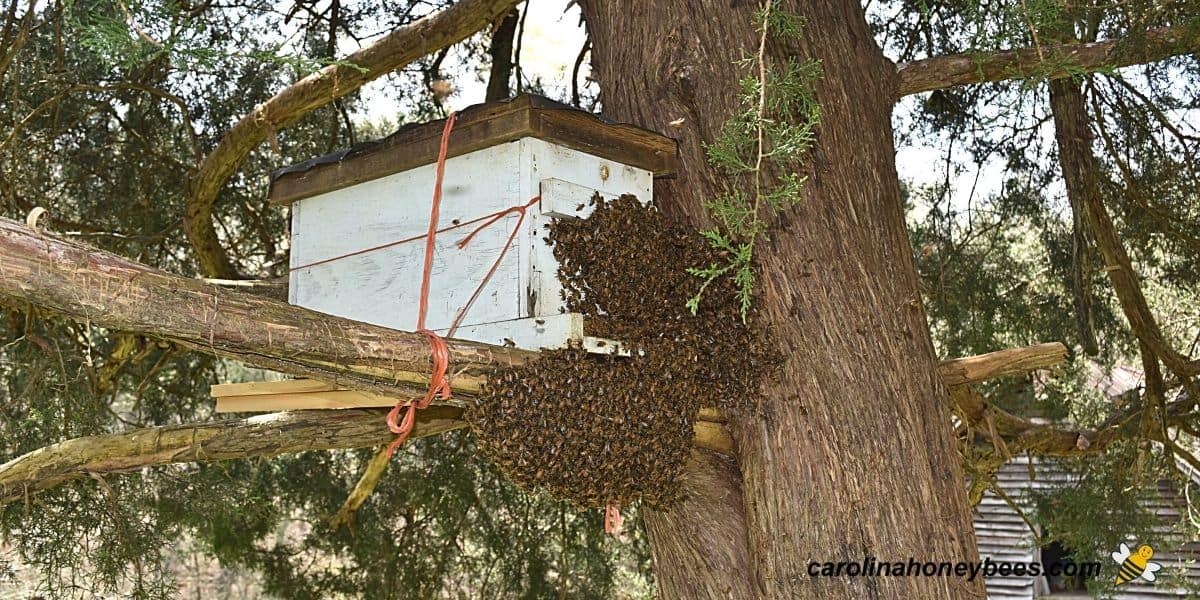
x=854 y=456
x=699 y=547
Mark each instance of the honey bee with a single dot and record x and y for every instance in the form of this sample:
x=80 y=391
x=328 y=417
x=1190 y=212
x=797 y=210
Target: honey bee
x=593 y=429
x=1135 y=564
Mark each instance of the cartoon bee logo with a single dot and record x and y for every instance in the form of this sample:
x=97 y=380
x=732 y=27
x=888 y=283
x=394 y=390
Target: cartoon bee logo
x=1135 y=564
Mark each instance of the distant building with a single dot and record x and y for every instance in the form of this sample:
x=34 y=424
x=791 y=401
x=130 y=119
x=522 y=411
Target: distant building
x=1004 y=536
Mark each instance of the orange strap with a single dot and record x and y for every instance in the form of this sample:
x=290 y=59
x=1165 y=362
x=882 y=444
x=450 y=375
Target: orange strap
x=402 y=426
x=612 y=518
x=496 y=216
x=438 y=386
x=434 y=209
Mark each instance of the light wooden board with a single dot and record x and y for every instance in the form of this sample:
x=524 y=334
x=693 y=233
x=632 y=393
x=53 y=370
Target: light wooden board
x=564 y=178
x=302 y=401
x=259 y=388
x=533 y=333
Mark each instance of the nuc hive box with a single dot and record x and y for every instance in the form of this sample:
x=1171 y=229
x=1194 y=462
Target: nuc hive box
x=359 y=217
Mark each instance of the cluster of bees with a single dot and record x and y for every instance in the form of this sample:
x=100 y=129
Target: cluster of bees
x=595 y=429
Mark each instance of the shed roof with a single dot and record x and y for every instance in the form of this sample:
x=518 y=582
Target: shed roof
x=476 y=127
x=1003 y=534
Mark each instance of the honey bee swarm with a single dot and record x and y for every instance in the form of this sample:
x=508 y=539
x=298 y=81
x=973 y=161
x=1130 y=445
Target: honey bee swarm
x=597 y=429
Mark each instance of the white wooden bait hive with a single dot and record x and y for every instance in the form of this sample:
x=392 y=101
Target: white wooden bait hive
x=347 y=205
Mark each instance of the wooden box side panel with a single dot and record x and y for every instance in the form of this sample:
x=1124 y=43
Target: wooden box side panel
x=382 y=286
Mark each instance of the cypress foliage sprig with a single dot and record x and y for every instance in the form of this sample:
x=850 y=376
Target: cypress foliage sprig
x=771 y=133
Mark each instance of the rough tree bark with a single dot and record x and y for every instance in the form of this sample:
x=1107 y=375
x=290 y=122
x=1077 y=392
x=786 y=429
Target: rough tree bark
x=103 y=289
x=262 y=435
x=854 y=456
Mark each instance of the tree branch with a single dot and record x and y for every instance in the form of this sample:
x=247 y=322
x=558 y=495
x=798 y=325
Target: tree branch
x=1059 y=61
x=501 y=51
x=1020 y=435
x=1081 y=173
x=393 y=51
x=261 y=435
x=103 y=289
x=1012 y=361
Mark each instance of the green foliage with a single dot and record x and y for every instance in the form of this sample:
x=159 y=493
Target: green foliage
x=993 y=240
x=122 y=35
x=88 y=129
x=97 y=139
x=757 y=151
x=1110 y=501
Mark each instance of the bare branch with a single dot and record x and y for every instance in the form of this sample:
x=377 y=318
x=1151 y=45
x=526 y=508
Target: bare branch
x=501 y=51
x=393 y=51
x=1048 y=62
x=1081 y=174
x=372 y=472
x=262 y=435
x=1013 y=361
x=11 y=41
x=108 y=291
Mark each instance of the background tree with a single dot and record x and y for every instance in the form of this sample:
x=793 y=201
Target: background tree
x=144 y=130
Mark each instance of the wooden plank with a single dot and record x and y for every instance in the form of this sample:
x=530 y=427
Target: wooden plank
x=623 y=143
x=260 y=388
x=477 y=127
x=531 y=333
x=302 y=401
x=597 y=345
x=713 y=436
x=566 y=180
x=301 y=394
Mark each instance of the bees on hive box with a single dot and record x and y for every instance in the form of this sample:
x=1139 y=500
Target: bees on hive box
x=600 y=429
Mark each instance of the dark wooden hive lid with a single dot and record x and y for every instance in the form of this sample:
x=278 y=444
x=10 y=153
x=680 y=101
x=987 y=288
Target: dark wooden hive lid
x=477 y=127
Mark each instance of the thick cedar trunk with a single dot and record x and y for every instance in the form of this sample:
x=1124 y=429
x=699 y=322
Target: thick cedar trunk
x=854 y=456
x=703 y=540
